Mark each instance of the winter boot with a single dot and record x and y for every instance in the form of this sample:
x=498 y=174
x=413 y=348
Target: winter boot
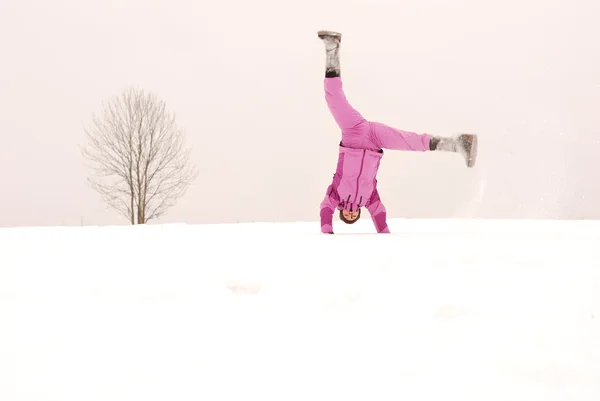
x=465 y=145
x=332 y=49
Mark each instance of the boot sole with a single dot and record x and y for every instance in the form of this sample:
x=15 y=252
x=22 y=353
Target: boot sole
x=472 y=153
x=323 y=34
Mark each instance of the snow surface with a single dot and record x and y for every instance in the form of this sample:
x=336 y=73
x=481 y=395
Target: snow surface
x=439 y=310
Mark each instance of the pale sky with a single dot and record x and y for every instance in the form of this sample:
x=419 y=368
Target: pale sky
x=245 y=80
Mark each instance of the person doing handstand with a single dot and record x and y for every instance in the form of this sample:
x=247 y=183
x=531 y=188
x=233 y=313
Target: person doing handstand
x=361 y=148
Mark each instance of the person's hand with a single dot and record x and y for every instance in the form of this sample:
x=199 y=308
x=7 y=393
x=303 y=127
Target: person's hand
x=327 y=229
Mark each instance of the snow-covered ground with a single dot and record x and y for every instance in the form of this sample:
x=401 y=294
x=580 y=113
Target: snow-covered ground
x=439 y=310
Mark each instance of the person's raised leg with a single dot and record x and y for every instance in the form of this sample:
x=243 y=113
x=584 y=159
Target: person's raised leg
x=344 y=114
x=386 y=137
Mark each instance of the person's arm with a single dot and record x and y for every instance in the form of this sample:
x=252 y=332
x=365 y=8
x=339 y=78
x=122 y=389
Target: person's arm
x=378 y=213
x=327 y=208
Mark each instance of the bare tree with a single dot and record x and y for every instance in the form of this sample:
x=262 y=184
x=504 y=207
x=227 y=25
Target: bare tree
x=138 y=158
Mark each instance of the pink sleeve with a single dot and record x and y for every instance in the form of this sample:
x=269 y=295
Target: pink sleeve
x=378 y=214
x=327 y=208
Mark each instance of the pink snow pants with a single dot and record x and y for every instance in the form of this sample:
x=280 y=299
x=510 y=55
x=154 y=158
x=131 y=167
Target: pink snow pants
x=357 y=132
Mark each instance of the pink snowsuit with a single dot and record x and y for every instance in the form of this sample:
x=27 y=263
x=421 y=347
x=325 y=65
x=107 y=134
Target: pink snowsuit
x=360 y=151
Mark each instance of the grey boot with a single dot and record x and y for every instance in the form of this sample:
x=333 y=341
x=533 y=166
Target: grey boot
x=465 y=145
x=332 y=49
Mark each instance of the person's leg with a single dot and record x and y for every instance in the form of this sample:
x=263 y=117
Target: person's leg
x=344 y=114
x=386 y=137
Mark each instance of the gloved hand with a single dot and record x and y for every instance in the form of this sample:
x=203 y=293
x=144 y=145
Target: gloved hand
x=326 y=229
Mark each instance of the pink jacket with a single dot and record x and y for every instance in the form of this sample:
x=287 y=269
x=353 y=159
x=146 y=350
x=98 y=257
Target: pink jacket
x=354 y=186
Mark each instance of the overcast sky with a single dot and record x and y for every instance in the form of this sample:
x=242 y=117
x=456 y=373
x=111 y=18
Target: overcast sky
x=245 y=81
